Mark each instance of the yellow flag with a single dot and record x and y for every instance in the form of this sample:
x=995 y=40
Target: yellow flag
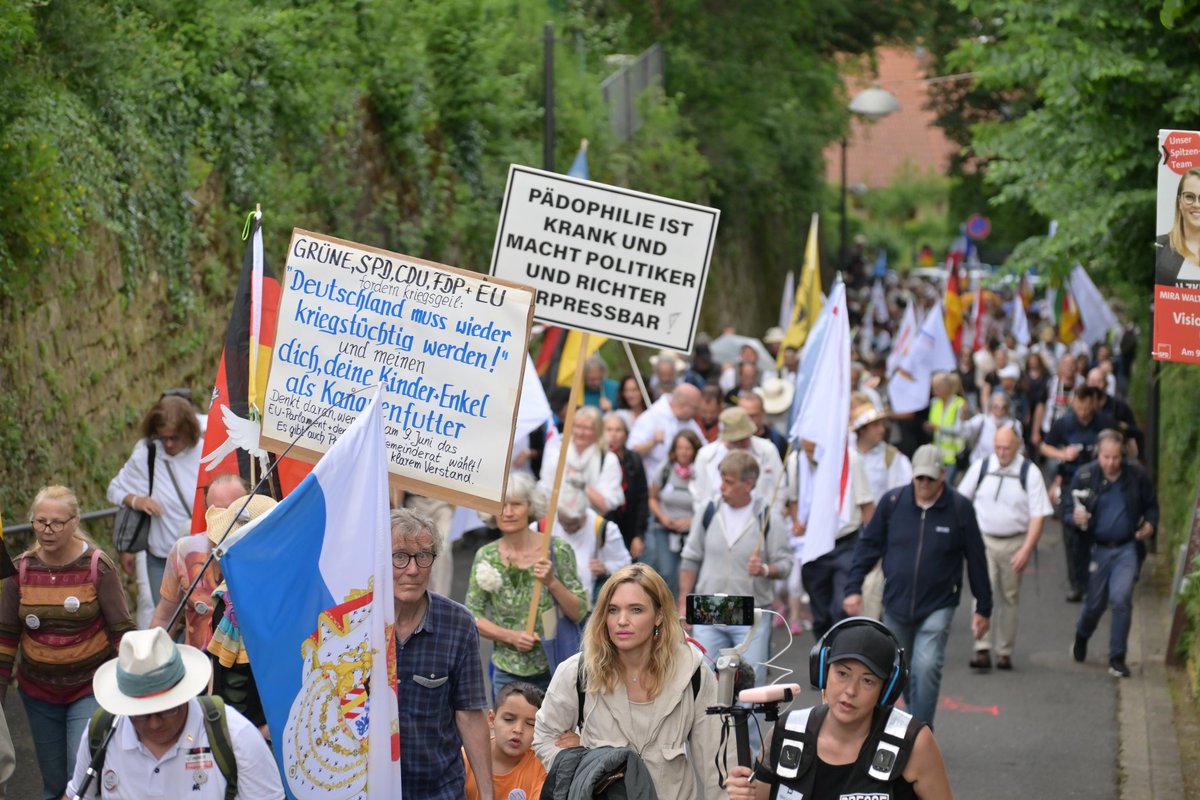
x=570 y=352
x=808 y=296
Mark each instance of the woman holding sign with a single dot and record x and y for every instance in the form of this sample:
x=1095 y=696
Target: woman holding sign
x=590 y=467
x=1177 y=257
x=501 y=586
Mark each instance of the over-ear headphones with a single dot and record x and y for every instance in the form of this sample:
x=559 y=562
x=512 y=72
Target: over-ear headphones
x=818 y=659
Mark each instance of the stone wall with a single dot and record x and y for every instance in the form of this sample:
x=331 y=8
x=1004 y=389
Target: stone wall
x=83 y=359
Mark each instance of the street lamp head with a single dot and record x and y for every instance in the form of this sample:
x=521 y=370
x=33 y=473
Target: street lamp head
x=874 y=103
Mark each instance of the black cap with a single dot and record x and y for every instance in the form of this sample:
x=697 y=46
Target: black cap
x=867 y=644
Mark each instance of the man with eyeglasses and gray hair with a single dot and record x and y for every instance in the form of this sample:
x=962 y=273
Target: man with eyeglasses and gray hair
x=442 y=697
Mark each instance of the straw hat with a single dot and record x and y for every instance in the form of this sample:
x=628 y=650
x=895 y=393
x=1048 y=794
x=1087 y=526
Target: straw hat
x=150 y=674
x=777 y=395
x=863 y=414
x=235 y=516
x=774 y=335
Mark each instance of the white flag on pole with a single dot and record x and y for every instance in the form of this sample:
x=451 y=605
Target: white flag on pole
x=1020 y=322
x=1094 y=311
x=788 y=302
x=930 y=352
x=825 y=420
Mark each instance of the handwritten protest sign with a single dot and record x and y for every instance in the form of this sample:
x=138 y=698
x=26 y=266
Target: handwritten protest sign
x=604 y=259
x=1176 y=267
x=448 y=346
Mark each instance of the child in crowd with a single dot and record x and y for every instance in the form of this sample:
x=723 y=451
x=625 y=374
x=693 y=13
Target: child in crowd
x=517 y=773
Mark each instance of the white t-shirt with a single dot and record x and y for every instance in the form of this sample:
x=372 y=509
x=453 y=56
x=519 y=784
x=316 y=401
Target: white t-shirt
x=131 y=771
x=583 y=542
x=1002 y=506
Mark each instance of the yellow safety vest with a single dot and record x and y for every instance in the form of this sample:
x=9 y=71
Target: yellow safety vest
x=944 y=415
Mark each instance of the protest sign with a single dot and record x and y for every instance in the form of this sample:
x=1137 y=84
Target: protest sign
x=448 y=346
x=1177 y=249
x=604 y=259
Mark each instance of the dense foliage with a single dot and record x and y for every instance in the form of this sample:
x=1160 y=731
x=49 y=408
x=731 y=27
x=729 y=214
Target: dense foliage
x=394 y=122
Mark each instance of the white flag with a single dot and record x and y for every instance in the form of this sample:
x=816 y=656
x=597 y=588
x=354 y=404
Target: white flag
x=1094 y=311
x=1020 y=322
x=788 y=302
x=825 y=420
x=904 y=340
x=930 y=352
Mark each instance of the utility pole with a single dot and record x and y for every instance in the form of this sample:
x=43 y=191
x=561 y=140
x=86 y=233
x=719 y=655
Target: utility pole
x=548 y=95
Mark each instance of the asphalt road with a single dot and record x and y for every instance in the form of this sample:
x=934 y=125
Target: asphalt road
x=1047 y=729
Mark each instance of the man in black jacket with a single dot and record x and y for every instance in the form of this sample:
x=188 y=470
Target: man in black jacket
x=923 y=532
x=1116 y=508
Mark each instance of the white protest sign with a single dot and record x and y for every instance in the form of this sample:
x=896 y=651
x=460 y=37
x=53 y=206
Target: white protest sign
x=603 y=259
x=448 y=346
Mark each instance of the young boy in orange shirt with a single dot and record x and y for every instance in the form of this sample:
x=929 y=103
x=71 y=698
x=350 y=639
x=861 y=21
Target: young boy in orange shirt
x=517 y=773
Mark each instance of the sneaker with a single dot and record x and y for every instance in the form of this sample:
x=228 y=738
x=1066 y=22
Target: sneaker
x=799 y=626
x=1117 y=668
x=1079 y=649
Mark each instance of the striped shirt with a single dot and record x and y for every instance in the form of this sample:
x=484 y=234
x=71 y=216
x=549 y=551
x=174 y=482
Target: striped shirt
x=66 y=620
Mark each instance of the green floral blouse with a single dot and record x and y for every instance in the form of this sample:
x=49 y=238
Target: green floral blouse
x=505 y=601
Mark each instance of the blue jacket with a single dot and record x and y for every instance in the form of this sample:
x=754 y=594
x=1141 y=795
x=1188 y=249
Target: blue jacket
x=923 y=553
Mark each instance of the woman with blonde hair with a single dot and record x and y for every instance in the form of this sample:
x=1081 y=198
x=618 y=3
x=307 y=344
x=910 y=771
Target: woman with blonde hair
x=947 y=412
x=1177 y=256
x=590 y=467
x=643 y=687
x=65 y=612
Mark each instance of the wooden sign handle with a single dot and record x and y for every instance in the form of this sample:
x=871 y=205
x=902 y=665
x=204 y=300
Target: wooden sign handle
x=568 y=423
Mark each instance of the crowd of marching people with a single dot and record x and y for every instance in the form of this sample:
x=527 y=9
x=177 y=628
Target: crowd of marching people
x=687 y=480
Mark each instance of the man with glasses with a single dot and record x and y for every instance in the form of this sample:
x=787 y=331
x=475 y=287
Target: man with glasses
x=923 y=532
x=440 y=684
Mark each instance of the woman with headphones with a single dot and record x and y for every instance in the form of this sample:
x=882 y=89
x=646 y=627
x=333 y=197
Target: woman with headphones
x=856 y=742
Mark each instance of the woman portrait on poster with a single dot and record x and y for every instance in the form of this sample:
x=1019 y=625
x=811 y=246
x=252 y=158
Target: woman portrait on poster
x=1177 y=252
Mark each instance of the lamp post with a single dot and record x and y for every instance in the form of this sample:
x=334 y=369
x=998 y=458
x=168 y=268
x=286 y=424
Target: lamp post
x=872 y=103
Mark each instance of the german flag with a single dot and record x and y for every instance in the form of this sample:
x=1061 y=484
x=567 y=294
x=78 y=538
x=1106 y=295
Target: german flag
x=241 y=380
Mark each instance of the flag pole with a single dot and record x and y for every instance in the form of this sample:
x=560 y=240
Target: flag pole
x=568 y=422
x=637 y=374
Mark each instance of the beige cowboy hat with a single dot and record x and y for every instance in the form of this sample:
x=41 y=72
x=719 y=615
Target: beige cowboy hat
x=774 y=335
x=235 y=516
x=150 y=674
x=777 y=395
x=736 y=425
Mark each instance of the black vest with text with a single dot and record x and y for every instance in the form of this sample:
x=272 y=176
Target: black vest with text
x=876 y=774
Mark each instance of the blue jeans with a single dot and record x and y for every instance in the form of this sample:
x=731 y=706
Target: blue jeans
x=57 y=730
x=924 y=643
x=1114 y=572
x=659 y=556
x=155 y=567
x=713 y=637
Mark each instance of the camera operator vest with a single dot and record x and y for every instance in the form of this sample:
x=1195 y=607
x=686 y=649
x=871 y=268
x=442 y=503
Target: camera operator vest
x=879 y=768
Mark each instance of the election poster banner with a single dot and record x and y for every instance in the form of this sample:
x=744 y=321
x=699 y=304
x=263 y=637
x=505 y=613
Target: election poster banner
x=1177 y=249
x=447 y=345
x=604 y=259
